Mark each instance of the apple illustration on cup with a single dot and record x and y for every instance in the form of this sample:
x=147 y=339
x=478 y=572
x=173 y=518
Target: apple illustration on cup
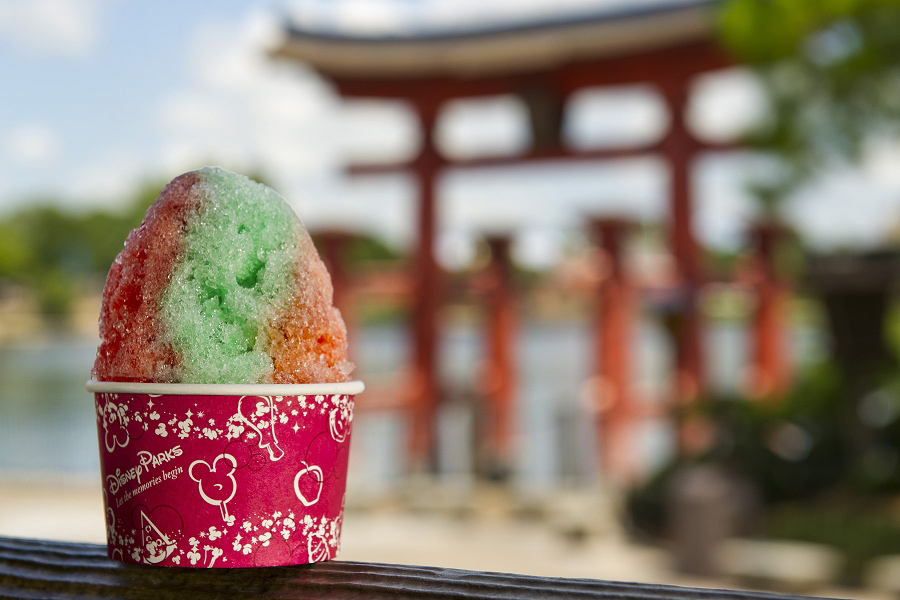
x=308 y=484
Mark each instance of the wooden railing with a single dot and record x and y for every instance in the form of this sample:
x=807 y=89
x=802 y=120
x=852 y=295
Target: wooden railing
x=48 y=569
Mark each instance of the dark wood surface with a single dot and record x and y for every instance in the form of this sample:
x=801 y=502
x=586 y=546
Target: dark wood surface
x=48 y=569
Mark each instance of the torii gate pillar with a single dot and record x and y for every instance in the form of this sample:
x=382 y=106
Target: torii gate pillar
x=424 y=391
x=770 y=371
x=500 y=374
x=679 y=147
x=612 y=355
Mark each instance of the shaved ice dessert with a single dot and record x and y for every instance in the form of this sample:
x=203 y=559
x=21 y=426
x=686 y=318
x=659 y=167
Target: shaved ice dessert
x=221 y=384
x=221 y=283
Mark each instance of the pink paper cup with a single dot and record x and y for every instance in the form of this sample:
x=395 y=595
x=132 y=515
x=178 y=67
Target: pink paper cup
x=223 y=475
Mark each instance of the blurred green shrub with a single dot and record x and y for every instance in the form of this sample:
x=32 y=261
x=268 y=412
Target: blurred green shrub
x=861 y=531
x=815 y=483
x=51 y=250
x=791 y=448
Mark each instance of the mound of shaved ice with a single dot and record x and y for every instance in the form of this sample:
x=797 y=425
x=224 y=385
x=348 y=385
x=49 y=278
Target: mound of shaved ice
x=221 y=283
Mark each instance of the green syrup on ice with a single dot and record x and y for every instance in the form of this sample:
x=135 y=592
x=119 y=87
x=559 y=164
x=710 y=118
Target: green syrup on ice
x=235 y=274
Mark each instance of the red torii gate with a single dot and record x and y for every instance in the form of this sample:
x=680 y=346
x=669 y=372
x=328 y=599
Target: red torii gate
x=543 y=64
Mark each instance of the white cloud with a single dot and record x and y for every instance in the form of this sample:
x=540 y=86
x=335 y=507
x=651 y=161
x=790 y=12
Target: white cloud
x=495 y=125
x=881 y=160
x=60 y=27
x=726 y=104
x=247 y=112
x=393 y=16
x=32 y=145
x=538 y=248
x=244 y=110
x=108 y=180
x=521 y=198
x=844 y=208
x=724 y=206
x=383 y=206
x=615 y=116
x=377 y=131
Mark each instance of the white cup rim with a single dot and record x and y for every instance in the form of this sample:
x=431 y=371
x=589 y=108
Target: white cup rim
x=349 y=388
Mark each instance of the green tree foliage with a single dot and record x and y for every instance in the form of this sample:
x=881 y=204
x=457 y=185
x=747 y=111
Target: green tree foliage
x=369 y=250
x=831 y=69
x=15 y=251
x=51 y=250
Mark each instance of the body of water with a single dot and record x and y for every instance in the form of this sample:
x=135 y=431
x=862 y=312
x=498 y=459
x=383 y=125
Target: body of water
x=47 y=420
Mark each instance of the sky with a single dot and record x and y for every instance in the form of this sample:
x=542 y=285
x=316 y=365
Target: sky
x=103 y=95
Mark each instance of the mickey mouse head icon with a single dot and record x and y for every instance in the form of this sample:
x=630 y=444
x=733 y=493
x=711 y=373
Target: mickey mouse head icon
x=216 y=483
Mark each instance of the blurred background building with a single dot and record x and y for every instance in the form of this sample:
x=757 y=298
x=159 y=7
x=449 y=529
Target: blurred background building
x=618 y=275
